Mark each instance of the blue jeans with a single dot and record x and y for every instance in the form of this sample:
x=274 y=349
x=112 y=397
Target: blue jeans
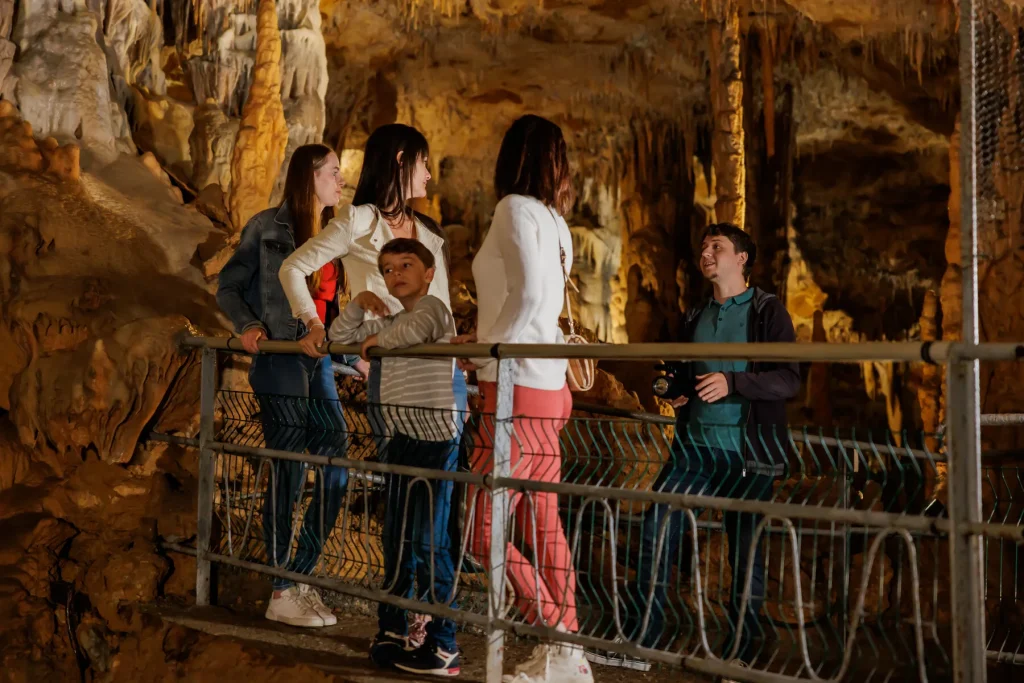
x=416 y=537
x=429 y=530
x=300 y=411
x=711 y=472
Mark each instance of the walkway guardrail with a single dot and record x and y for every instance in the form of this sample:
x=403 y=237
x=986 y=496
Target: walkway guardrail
x=854 y=525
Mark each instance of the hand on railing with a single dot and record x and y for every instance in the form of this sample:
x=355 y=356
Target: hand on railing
x=314 y=339
x=368 y=343
x=251 y=337
x=464 y=363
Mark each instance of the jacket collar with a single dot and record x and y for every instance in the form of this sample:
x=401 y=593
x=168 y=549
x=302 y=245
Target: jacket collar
x=283 y=216
x=381 y=233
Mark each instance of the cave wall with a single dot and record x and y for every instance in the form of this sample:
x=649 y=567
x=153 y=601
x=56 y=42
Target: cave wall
x=121 y=188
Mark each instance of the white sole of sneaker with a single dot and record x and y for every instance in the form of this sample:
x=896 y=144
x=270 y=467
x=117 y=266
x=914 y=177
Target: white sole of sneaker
x=446 y=673
x=618 y=662
x=301 y=623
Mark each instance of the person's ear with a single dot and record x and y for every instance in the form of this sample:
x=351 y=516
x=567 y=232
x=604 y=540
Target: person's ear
x=428 y=276
x=399 y=157
x=743 y=258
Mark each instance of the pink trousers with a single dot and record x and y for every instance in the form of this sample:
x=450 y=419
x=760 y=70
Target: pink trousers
x=547 y=596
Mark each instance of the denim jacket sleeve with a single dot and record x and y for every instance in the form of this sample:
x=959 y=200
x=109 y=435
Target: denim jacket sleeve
x=239 y=274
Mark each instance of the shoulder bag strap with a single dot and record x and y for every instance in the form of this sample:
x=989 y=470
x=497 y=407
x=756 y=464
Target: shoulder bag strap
x=566 y=280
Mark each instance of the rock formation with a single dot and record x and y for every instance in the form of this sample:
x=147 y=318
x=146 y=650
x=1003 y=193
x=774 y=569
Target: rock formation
x=263 y=133
x=129 y=159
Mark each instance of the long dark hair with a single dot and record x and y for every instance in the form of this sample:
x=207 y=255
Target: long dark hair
x=383 y=180
x=300 y=194
x=533 y=161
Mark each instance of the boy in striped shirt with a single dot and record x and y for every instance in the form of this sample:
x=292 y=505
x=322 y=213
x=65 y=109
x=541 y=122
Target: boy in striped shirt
x=419 y=412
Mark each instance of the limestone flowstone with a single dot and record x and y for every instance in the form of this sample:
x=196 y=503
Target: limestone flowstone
x=263 y=133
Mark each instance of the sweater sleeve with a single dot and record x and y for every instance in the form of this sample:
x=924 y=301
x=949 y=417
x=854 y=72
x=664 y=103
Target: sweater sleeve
x=333 y=242
x=518 y=247
x=350 y=328
x=426 y=323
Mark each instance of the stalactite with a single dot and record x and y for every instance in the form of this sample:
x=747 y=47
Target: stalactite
x=727 y=136
x=263 y=135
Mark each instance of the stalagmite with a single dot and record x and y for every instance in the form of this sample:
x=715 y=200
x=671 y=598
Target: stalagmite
x=263 y=135
x=930 y=389
x=727 y=142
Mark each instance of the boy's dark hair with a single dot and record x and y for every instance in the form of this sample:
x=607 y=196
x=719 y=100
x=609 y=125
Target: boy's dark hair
x=405 y=245
x=742 y=242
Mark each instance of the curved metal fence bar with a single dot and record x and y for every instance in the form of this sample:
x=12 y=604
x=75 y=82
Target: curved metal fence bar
x=824 y=554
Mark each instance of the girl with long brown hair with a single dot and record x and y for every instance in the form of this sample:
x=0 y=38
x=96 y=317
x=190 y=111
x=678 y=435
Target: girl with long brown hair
x=297 y=395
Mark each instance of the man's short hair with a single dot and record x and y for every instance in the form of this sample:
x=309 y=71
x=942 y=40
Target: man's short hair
x=405 y=245
x=742 y=242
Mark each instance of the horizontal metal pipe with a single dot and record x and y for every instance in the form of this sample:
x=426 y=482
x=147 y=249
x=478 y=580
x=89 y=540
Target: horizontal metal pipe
x=339 y=586
x=938 y=352
x=1002 y=419
x=178 y=548
x=358 y=465
x=1010 y=532
x=172 y=438
x=1005 y=657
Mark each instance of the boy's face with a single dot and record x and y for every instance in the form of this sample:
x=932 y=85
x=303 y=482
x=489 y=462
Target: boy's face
x=405 y=275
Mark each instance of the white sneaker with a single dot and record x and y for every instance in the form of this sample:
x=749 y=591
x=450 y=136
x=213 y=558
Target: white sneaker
x=294 y=609
x=553 y=663
x=535 y=668
x=312 y=596
x=617 y=659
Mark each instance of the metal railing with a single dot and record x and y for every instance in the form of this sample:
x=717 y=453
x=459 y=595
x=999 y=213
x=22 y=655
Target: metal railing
x=858 y=571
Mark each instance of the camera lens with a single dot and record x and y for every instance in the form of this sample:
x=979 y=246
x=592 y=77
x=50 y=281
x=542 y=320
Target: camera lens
x=660 y=386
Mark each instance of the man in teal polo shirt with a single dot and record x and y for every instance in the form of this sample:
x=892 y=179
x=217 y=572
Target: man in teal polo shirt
x=730 y=436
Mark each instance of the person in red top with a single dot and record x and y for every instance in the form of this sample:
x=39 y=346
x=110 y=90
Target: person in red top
x=297 y=394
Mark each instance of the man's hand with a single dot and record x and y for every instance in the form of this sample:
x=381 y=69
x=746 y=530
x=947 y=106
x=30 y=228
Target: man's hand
x=464 y=363
x=370 y=342
x=713 y=387
x=310 y=344
x=363 y=368
x=370 y=302
x=251 y=337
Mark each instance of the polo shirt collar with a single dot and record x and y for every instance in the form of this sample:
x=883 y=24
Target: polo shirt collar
x=737 y=300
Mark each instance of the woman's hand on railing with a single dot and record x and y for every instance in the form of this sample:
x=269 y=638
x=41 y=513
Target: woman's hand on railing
x=363 y=367
x=251 y=337
x=314 y=339
x=464 y=363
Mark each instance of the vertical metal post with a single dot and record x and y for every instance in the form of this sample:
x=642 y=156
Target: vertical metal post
x=208 y=388
x=963 y=398
x=499 y=517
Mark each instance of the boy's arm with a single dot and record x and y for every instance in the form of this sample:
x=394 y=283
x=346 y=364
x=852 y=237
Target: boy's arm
x=350 y=328
x=782 y=381
x=426 y=323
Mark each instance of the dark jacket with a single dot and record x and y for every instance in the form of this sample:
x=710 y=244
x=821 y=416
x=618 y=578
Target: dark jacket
x=765 y=385
x=249 y=290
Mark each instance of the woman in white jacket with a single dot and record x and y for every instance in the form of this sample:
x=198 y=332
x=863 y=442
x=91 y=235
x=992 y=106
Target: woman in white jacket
x=520 y=274
x=394 y=172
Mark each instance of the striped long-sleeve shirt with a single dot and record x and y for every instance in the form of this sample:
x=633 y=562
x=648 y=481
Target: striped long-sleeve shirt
x=415 y=393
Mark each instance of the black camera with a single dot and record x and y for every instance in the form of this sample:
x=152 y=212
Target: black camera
x=674 y=383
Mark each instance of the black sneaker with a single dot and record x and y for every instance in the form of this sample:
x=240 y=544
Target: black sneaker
x=388 y=648
x=430 y=660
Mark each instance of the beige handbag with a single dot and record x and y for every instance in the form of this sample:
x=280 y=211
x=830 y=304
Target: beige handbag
x=580 y=373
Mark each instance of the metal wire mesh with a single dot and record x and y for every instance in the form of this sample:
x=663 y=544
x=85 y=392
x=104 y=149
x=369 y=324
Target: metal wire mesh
x=833 y=597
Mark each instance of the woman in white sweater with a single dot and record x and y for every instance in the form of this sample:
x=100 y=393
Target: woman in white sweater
x=520 y=274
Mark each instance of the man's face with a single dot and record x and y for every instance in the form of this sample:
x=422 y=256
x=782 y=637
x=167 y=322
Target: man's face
x=719 y=260
x=405 y=275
